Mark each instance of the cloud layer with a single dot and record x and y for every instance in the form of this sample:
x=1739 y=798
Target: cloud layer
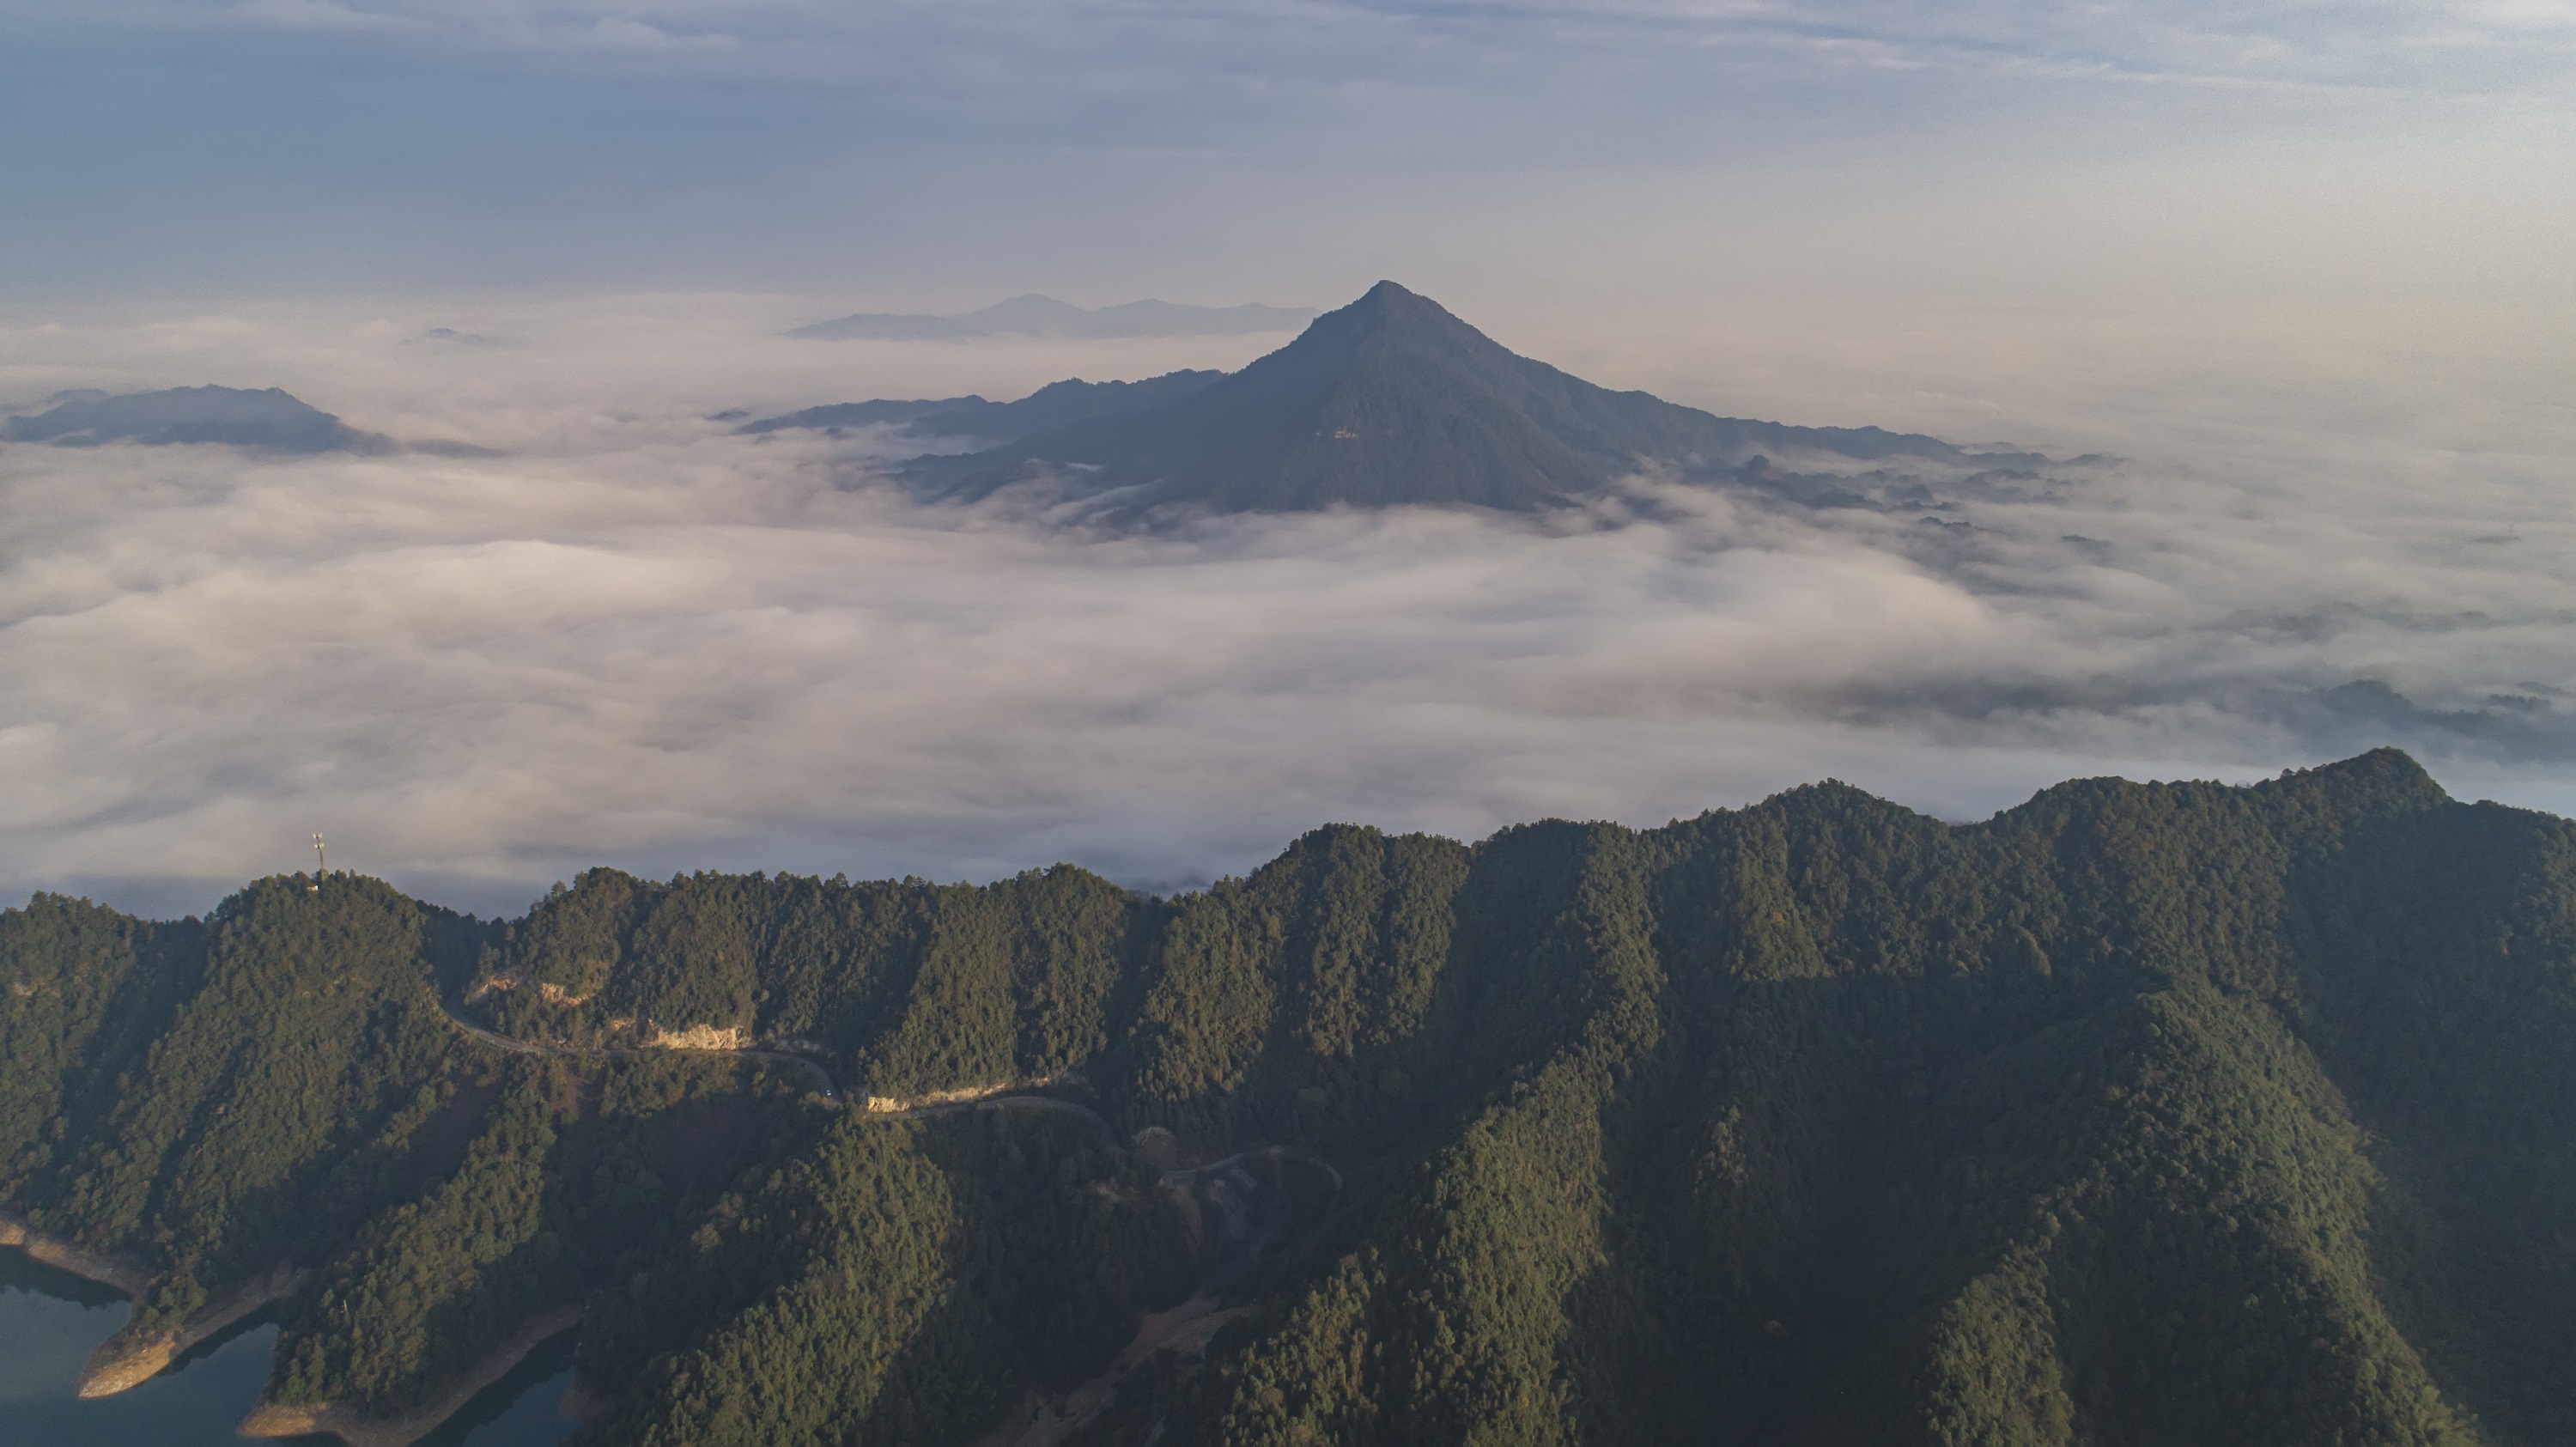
x=639 y=639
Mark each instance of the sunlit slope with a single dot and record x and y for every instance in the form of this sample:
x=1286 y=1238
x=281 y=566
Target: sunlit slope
x=2138 y=1114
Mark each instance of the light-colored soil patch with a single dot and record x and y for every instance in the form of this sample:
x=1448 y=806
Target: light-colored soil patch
x=962 y=1095
x=268 y=1419
x=697 y=1037
x=728 y=1042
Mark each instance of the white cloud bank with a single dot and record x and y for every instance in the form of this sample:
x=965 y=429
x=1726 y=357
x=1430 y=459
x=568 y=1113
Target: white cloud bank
x=637 y=639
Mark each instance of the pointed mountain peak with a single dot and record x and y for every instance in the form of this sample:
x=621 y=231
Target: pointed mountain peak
x=1387 y=295
x=1386 y=401
x=1388 y=305
x=1389 y=322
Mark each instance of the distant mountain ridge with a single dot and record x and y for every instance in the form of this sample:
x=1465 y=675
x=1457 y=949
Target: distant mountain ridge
x=1389 y=401
x=268 y=419
x=1044 y=316
x=1392 y=401
x=1057 y=404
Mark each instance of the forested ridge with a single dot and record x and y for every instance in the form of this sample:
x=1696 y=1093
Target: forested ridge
x=2139 y=1114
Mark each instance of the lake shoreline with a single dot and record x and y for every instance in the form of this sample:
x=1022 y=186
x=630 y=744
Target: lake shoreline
x=270 y=1419
x=123 y=1274
x=125 y=1361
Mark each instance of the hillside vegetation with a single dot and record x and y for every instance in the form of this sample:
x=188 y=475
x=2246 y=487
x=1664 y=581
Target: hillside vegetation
x=2140 y=1114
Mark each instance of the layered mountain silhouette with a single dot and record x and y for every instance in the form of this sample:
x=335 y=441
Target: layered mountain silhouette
x=1044 y=316
x=1056 y=405
x=1389 y=401
x=268 y=419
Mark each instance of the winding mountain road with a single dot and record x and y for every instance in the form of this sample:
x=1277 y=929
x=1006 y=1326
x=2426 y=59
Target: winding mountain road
x=529 y=1047
x=826 y=1087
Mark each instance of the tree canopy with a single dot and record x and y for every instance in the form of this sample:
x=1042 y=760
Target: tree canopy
x=2142 y=1114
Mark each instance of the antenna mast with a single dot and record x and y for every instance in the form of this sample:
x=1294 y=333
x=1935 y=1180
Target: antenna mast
x=321 y=864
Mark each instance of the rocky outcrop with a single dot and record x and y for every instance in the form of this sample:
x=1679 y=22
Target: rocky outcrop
x=697 y=1037
x=962 y=1095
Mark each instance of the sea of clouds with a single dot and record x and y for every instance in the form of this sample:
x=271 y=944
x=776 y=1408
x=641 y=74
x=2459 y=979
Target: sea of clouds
x=635 y=638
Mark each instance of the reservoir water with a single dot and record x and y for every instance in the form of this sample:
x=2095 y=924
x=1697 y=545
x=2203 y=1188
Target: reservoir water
x=51 y=1320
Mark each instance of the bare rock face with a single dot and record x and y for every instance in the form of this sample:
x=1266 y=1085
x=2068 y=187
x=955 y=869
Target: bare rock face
x=699 y=1037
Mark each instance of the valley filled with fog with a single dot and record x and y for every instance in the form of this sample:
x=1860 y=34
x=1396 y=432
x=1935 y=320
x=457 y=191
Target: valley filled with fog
x=634 y=637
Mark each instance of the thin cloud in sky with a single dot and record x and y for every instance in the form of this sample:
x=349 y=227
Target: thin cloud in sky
x=2467 y=48
x=375 y=144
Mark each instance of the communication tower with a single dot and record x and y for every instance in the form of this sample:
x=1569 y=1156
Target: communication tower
x=321 y=864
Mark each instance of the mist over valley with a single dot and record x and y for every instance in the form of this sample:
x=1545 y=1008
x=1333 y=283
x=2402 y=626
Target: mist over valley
x=1117 y=724
x=641 y=636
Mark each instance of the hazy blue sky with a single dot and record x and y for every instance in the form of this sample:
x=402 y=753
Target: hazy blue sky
x=1291 y=151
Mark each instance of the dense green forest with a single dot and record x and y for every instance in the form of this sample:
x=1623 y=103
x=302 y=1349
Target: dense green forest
x=2139 y=1114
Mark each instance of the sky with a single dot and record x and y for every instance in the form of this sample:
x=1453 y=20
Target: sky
x=2298 y=268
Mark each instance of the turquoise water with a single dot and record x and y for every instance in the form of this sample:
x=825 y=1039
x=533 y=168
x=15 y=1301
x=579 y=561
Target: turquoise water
x=50 y=1321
